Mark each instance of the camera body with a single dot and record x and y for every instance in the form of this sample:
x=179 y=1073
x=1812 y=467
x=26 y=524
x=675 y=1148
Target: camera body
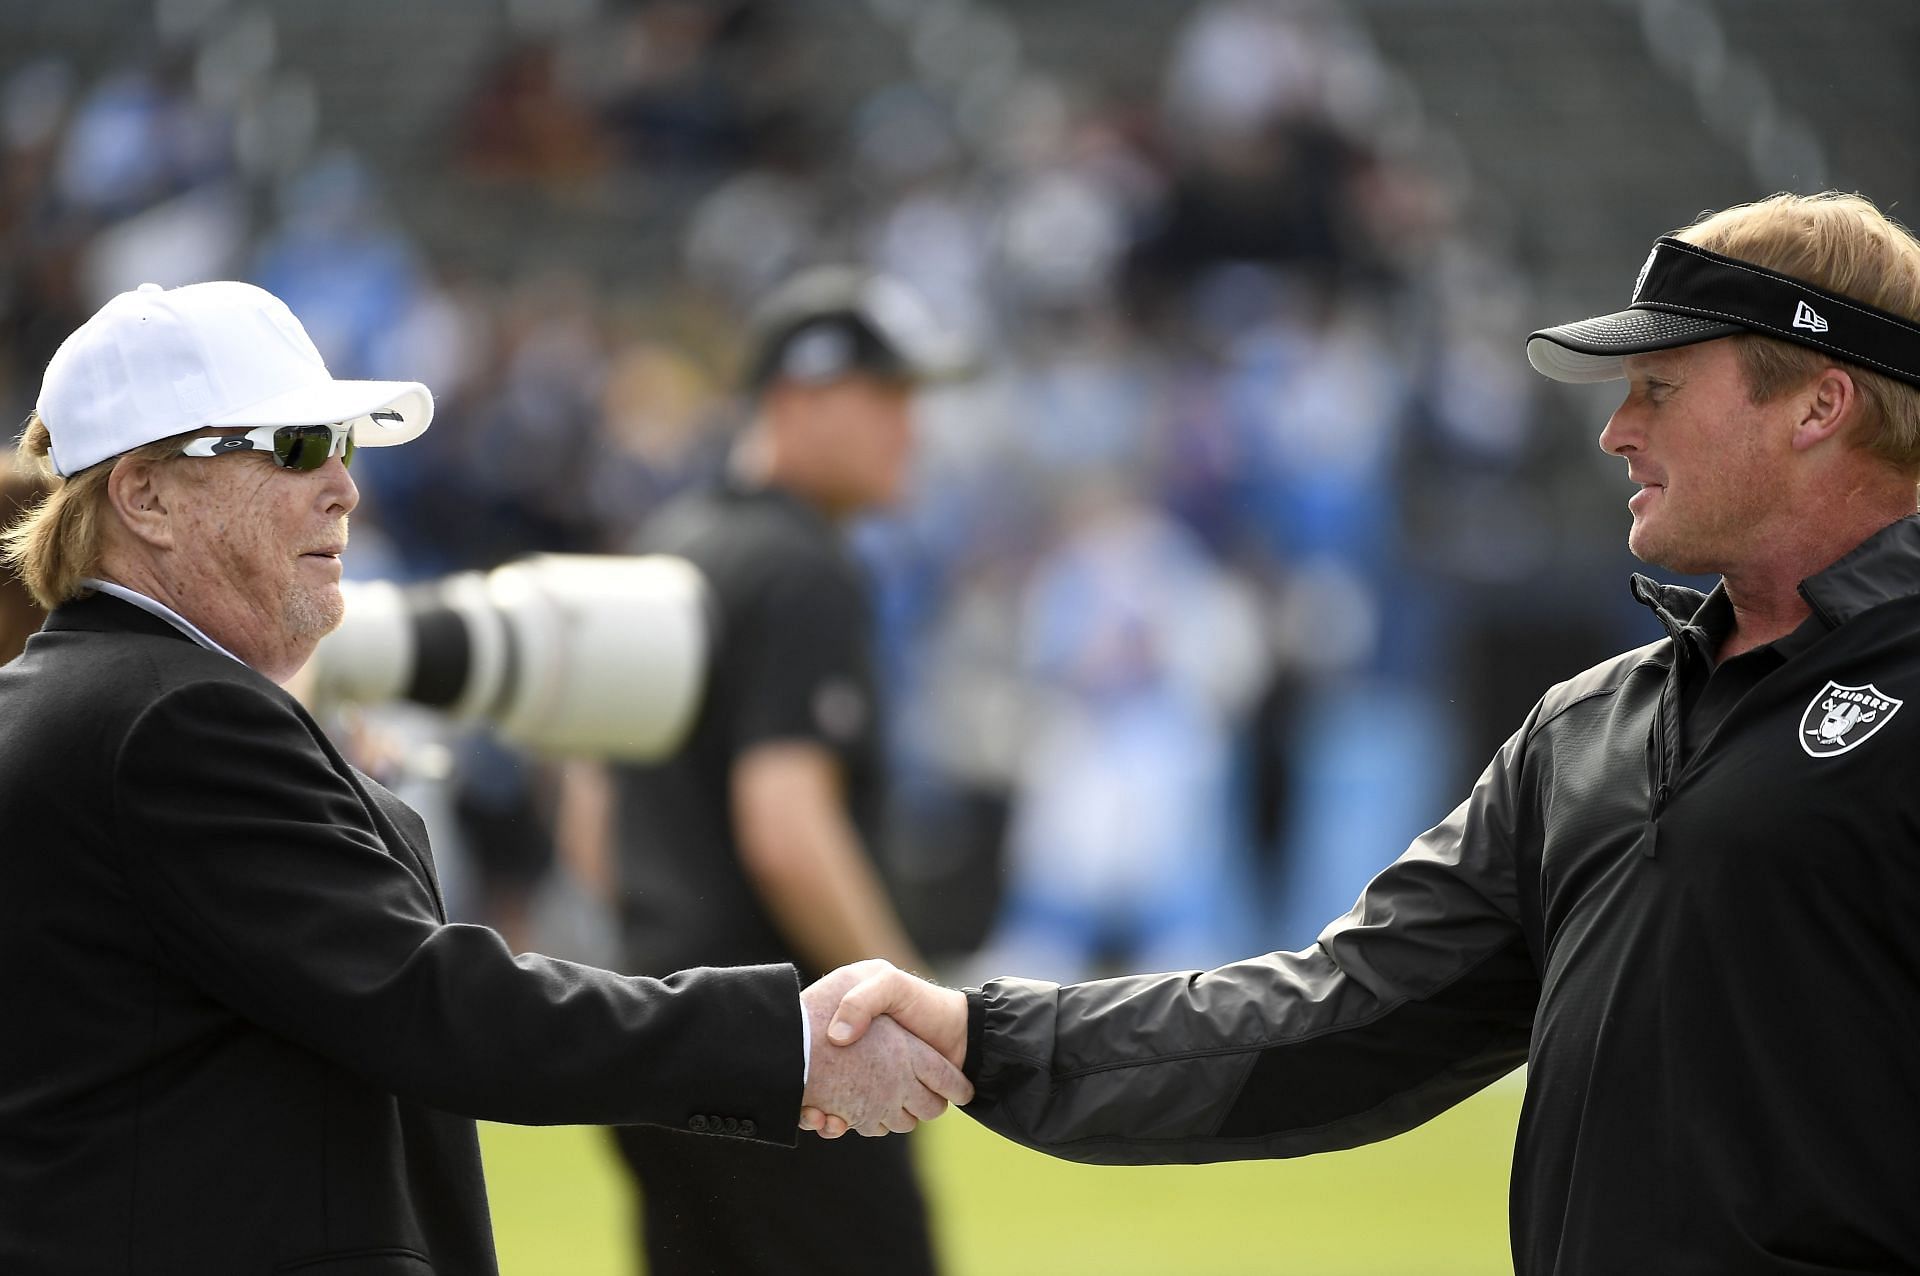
x=565 y=654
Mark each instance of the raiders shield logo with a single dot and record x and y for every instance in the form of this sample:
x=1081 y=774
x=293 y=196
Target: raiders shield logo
x=1640 y=280
x=1841 y=718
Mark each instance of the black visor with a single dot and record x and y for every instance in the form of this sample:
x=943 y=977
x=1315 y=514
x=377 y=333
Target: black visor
x=1686 y=294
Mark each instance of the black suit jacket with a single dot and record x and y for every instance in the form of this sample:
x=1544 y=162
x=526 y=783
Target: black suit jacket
x=237 y=1033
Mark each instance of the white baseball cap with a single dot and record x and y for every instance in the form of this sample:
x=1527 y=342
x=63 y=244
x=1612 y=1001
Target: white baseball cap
x=157 y=362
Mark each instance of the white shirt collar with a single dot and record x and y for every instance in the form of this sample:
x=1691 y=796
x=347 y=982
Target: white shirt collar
x=159 y=609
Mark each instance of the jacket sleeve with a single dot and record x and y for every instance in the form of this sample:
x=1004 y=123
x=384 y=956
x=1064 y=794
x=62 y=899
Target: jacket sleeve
x=1420 y=996
x=266 y=884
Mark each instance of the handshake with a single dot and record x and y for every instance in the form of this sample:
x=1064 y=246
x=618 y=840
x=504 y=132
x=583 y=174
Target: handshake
x=886 y=1051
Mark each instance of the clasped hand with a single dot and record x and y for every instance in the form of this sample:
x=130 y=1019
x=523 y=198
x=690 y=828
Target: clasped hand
x=887 y=1050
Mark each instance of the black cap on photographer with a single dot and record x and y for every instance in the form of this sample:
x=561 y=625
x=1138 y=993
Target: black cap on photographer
x=838 y=321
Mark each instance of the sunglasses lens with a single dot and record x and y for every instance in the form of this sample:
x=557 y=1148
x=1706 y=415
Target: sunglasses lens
x=306 y=447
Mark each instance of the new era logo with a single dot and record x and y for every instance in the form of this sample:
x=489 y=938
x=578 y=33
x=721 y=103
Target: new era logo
x=1805 y=316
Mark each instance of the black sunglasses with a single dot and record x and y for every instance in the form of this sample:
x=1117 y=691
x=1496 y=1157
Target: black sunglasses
x=292 y=447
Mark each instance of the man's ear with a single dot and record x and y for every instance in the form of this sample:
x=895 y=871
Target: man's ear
x=141 y=500
x=1827 y=408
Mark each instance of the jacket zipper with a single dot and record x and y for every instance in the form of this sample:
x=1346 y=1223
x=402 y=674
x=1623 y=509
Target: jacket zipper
x=1657 y=787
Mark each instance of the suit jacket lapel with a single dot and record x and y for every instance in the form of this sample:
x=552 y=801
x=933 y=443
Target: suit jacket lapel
x=403 y=832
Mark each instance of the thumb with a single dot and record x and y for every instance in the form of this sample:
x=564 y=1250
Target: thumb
x=866 y=999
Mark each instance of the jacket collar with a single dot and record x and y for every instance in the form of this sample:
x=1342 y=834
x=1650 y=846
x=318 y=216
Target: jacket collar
x=735 y=488
x=1885 y=567
x=103 y=613
x=1881 y=569
x=1672 y=605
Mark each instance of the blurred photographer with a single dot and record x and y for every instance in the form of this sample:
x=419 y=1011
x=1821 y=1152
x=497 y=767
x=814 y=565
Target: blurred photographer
x=756 y=842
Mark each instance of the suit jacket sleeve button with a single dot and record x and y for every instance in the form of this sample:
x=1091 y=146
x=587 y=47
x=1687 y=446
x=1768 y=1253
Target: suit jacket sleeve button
x=730 y=1126
x=698 y=1123
x=747 y=1128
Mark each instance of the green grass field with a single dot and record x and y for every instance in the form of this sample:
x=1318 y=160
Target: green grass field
x=1430 y=1203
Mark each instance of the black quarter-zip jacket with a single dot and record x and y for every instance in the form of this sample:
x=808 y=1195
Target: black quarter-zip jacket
x=1686 y=895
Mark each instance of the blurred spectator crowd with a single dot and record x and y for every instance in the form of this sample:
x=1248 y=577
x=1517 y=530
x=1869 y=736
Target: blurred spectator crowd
x=1190 y=622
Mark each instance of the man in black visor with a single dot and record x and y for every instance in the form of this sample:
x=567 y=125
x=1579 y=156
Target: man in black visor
x=1683 y=893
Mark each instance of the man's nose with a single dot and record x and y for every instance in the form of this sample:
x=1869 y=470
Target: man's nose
x=342 y=493
x=1620 y=435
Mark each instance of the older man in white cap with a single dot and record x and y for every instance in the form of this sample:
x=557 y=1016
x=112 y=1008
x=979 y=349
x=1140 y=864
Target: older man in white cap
x=240 y=1034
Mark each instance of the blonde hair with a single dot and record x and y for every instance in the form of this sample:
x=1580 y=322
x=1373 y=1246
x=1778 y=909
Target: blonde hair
x=1844 y=244
x=60 y=541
